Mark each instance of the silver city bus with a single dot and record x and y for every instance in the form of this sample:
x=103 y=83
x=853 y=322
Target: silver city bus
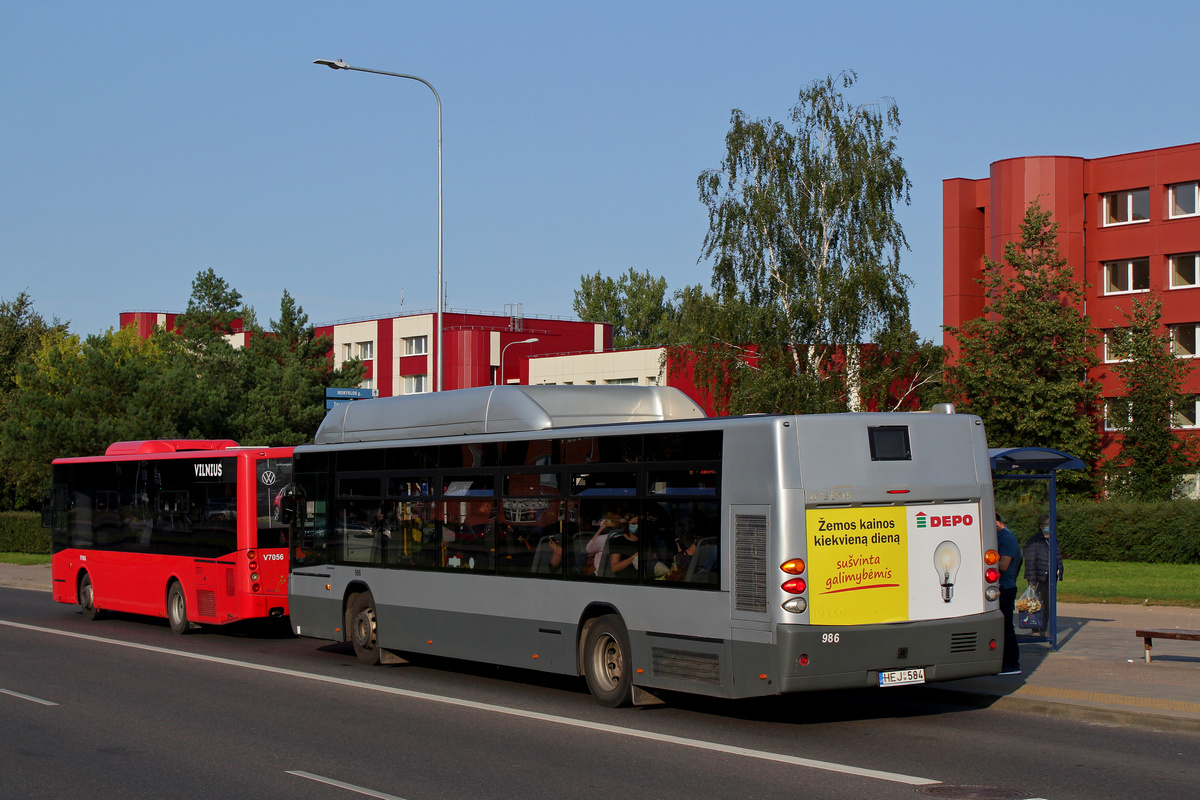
x=617 y=533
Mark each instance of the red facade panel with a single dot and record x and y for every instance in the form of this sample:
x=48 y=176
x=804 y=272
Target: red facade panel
x=1073 y=189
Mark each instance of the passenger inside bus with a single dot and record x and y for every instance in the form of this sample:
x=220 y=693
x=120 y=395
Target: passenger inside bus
x=623 y=551
x=611 y=523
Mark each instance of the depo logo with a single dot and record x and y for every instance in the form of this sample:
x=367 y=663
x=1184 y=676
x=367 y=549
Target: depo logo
x=946 y=521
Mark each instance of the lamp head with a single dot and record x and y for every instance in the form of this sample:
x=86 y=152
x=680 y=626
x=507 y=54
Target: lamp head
x=339 y=64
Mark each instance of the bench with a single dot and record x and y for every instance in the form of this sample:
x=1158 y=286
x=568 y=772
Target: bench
x=1148 y=636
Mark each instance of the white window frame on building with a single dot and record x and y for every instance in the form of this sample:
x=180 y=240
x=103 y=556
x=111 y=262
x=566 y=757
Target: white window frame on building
x=1184 y=339
x=621 y=381
x=1126 y=271
x=347 y=352
x=366 y=350
x=415 y=384
x=1179 y=267
x=1183 y=200
x=1126 y=208
x=416 y=345
x=1186 y=419
x=1113 y=405
x=1109 y=357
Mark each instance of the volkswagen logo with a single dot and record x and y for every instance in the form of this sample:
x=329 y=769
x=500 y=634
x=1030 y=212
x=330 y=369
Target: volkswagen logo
x=267 y=478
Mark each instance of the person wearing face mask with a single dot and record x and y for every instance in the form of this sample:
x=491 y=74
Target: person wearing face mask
x=623 y=550
x=1037 y=564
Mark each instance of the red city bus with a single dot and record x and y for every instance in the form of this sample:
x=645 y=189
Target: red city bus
x=186 y=529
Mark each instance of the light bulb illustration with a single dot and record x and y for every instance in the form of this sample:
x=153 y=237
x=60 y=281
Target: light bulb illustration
x=947 y=558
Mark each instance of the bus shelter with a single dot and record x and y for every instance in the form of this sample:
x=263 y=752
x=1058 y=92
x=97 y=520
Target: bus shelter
x=1038 y=464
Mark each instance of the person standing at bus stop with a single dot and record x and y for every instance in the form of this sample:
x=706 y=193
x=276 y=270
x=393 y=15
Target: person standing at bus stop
x=1010 y=565
x=1037 y=566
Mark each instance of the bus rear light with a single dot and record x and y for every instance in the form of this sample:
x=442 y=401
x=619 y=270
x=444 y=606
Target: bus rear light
x=897 y=491
x=992 y=644
x=254 y=577
x=256 y=588
x=793 y=567
x=795 y=586
x=992 y=593
x=802 y=660
x=797 y=605
x=991 y=557
x=991 y=574
x=253 y=567
x=250 y=554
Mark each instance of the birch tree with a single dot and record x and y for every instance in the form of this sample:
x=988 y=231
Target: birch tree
x=806 y=249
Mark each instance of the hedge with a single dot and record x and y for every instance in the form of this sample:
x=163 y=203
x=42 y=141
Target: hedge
x=22 y=532
x=1111 y=530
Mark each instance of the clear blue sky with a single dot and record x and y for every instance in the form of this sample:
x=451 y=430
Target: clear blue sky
x=143 y=142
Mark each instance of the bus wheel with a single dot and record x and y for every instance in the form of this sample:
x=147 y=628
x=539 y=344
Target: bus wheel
x=606 y=662
x=87 y=598
x=177 y=609
x=364 y=628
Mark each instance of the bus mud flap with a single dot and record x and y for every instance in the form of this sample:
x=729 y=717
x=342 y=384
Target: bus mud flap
x=641 y=697
x=390 y=657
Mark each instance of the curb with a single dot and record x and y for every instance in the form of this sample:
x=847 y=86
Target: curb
x=1100 y=713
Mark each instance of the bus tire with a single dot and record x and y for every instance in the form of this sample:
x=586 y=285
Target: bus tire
x=177 y=609
x=87 y=598
x=606 y=662
x=363 y=628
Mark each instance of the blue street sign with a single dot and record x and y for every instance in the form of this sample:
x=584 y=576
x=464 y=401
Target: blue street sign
x=353 y=394
x=334 y=402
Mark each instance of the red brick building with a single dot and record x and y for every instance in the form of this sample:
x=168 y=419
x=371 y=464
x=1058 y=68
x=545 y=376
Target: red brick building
x=1129 y=225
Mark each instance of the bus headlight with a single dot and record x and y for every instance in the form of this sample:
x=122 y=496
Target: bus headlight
x=992 y=593
x=797 y=605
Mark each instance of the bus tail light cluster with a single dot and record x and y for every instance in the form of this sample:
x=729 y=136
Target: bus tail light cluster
x=797 y=585
x=254 y=584
x=991 y=575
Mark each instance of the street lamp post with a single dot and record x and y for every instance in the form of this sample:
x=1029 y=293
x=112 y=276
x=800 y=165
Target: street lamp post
x=339 y=64
x=500 y=373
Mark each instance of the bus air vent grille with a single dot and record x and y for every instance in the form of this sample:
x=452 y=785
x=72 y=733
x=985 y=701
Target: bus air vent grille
x=686 y=665
x=963 y=642
x=230 y=583
x=206 y=602
x=750 y=562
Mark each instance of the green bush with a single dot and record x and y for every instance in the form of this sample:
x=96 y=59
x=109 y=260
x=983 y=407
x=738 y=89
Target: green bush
x=1111 y=530
x=22 y=532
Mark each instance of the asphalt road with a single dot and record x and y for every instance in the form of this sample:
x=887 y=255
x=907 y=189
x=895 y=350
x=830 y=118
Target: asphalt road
x=121 y=708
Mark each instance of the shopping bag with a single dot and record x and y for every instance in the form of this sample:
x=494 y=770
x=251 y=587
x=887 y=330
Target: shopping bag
x=1029 y=610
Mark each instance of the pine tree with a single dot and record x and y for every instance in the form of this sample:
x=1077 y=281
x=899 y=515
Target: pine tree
x=1023 y=365
x=1153 y=458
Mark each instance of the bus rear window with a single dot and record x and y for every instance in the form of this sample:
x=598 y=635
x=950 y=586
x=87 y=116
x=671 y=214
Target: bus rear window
x=889 y=443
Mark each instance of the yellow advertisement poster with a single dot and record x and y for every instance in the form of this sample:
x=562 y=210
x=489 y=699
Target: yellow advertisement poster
x=858 y=565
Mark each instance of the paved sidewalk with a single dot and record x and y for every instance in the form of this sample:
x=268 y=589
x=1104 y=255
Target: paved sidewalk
x=1099 y=672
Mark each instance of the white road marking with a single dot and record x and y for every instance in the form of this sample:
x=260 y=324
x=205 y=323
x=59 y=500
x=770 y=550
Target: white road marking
x=828 y=766
x=348 y=786
x=27 y=697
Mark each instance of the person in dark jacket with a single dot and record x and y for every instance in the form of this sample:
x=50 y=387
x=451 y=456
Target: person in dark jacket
x=1010 y=566
x=1037 y=564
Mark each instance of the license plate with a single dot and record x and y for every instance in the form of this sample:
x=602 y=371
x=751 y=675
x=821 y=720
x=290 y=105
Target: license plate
x=899 y=677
